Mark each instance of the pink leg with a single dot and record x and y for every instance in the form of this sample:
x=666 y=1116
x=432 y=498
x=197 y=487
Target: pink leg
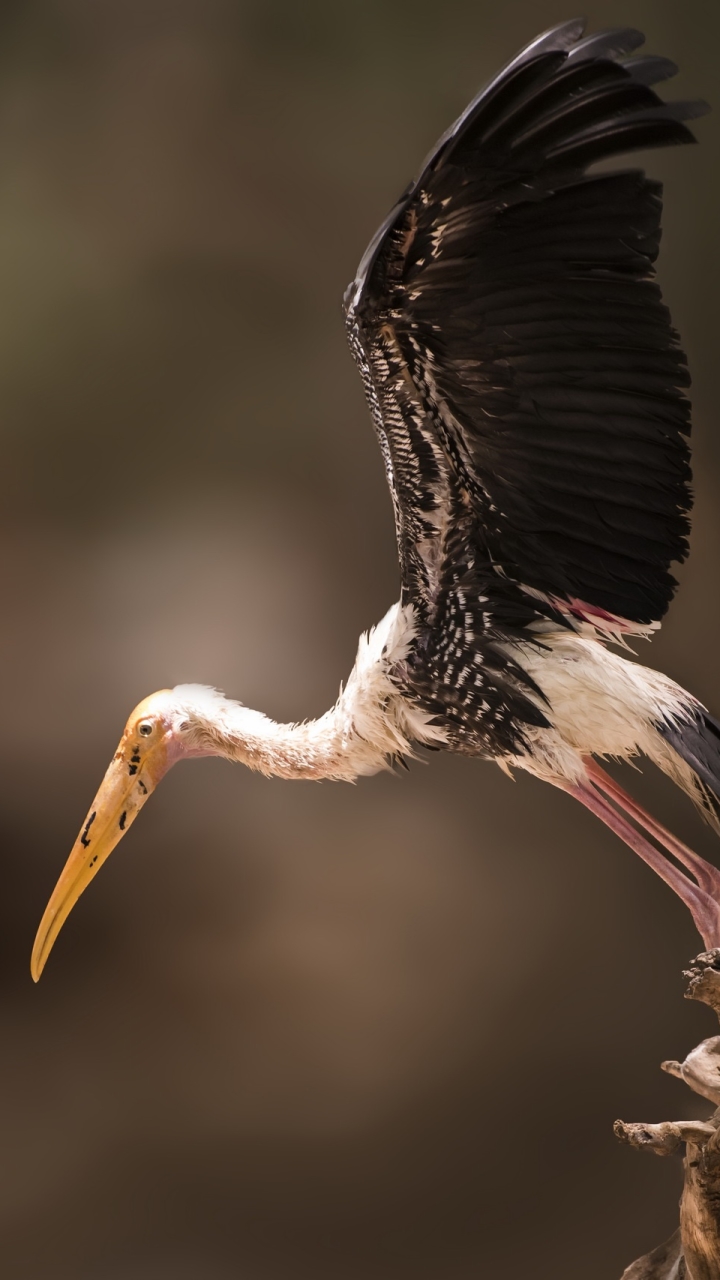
x=701 y=898
x=707 y=876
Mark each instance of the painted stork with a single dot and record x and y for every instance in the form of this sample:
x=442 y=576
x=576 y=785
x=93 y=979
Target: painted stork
x=529 y=395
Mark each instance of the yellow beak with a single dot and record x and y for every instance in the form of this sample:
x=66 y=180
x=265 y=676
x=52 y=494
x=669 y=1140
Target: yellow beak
x=136 y=769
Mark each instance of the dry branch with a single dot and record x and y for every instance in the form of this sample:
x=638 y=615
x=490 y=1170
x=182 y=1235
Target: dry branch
x=693 y=1252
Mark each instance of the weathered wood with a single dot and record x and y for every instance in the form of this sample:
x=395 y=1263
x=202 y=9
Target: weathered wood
x=664 y=1263
x=700 y=1070
x=700 y=1210
x=666 y=1138
x=693 y=1252
x=704 y=979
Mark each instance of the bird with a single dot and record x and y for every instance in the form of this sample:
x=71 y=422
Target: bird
x=529 y=395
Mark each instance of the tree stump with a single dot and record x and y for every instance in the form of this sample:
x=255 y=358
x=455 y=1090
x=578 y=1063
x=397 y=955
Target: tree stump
x=693 y=1252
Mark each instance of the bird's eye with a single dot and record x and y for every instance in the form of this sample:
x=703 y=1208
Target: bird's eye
x=145 y=729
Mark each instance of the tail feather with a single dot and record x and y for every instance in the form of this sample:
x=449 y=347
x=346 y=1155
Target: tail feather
x=695 y=739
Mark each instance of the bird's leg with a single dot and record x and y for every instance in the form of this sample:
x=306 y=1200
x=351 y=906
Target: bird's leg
x=707 y=876
x=701 y=895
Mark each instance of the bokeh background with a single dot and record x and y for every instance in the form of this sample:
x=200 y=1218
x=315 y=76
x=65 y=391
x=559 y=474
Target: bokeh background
x=294 y=1032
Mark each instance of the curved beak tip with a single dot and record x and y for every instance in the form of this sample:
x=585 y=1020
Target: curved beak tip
x=129 y=781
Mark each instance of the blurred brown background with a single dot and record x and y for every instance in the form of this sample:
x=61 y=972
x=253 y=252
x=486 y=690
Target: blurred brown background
x=295 y=1032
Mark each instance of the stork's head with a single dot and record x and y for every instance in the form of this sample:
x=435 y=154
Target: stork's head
x=164 y=728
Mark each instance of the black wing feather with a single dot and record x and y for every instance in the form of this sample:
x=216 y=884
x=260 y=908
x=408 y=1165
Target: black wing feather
x=521 y=367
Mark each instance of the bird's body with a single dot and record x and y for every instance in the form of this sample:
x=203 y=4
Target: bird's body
x=528 y=392
x=601 y=703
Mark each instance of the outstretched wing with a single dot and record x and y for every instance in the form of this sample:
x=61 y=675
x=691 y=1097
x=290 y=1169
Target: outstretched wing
x=523 y=372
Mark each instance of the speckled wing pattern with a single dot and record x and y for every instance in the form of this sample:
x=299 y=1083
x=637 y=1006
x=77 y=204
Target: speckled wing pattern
x=526 y=384
x=524 y=377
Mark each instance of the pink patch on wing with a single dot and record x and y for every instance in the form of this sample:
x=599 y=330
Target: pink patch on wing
x=594 y=615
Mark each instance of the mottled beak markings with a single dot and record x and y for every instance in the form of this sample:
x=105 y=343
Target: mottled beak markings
x=145 y=753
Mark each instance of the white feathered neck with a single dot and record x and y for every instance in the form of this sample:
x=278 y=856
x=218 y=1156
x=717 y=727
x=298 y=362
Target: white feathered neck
x=370 y=724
